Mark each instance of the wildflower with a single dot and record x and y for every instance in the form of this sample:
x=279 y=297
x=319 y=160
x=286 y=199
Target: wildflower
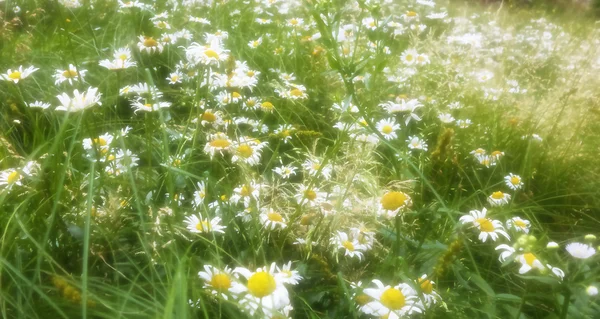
x=199 y=195
x=514 y=182
x=272 y=219
x=518 y=224
x=309 y=195
x=496 y=155
x=415 y=143
x=498 y=198
x=255 y=43
x=149 y=107
x=556 y=271
x=463 y=123
x=263 y=290
x=10 y=177
x=19 y=74
x=294 y=92
x=175 y=77
x=429 y=295
x=486 y=161
x=69 y=74
x=80 y=101
x=387 y=128
x=267 y=106
x=218 y=142
x=446 y=118
x=507 y=252
x=391 y=302
x=529 y=261
x=287 y=275
x=149 y=45
x=312 y=166
x=404 y=105
x=351 y=246
x=209 y=54
x=39 y=104
x=580 y=251
x=248 y=151
x=487 y=227
x=217 y=280
x=197 y=224
x=285 y=171
x=409 y=57
x=392 y=202
x=246 y=192
x=122 y=60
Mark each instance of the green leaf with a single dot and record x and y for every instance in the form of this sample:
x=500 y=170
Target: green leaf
x=483 y=285
x=508 y=297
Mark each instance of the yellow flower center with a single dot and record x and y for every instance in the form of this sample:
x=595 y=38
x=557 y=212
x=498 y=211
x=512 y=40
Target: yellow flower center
x=411 y=14
x=69 y=74
x=485 y=225
x=275 y=217
x=123 y=57
x=209 y=117
x=13 y=177
x=250 y=73
x=296 y=92
x=316 y=166
x=393 y=200
x=409 y=57
x=149 y=42
x=211 y=54
x=161 y=24
x=236 y=95
x=520 y=223
x=245 y=150
x=203 y=226
x=220 y=282
x=176 y=162
x=100 y=141
x=529 y=258
x=426 y=285
x=515 y=180
x=362 y=299
x=246 y=190
x=393 y=299
x=497 y=195
x=310 y=194
x=267 y=105
x=220 y=143
x=15 y=75
x=261 y=284
x=387 y=129
x=348 y=245
x=293 y=22
x=420 y=58
x=496 y=153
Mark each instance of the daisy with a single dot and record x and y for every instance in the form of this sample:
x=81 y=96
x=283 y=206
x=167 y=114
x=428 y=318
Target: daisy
x=529 y=261
x=446 y=118
x=580 y=251
x=39 y=104
x=149 y=107
x=255 y=43
x=199 y=194
x=486 y=160
x=10 y=177
x=69 y=74
x=251 y=103
x=363 y=236
x=218 y=142
x=496 y=155
x=507 y=252
x=518 y=224
x=312 y=166
x=246 y=192
x=404 y=105
x=487 y=227
x=175 y=77
x=309 y=195
x=409 y=57
x=272 y=219
x=387 y=128
x=351 y=246
x=369 y=23
x=556 y=271
x=285 y=171
x=514 y=182
x=19 y=74
x=149 y=45
x=287 y=275
x=294 y=92
x=210 y=117
x=122 y=60
x=248 y=151
x=391 y=302
x=463 y=123
x=197 y=224
x=210 y=54
x=422 y=59
x=415 y=143
x=498 y=198
x=217 y=280
x=392 y=202
x=80 y=101
x=263 y=289
x=429 y=295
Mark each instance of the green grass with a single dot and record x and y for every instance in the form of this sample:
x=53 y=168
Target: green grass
x=79 y=242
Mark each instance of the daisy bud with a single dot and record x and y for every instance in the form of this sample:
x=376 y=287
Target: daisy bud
x=531 y=240
x=522 y=241
x=590 y=238
x=552 y=245
x=591 y=290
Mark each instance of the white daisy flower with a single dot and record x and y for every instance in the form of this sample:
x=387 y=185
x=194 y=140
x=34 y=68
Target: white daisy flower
x=200 y=225
x=313 y=165
x=487 y=227
x=272 y=219
x=529 y=261
x=149 y=45
x=218 y=142
x=211 y=54
x=351 y=246
x=415 y=143
x=287 y=275
x=263 y=290
x=285 y=171
x=71 y=74
x=392 y=302
x=498 y=198
x=446 y=118
x=18 y=75
x=409 y=57
x=430 y=296
x=217 y=280
x=507 y=252
x=199 y=194
x=514 y=182
x=39 y=104
x=387 y=128
x=392 y=202
x=518 y=224
x=580 y=251
x=80 y=101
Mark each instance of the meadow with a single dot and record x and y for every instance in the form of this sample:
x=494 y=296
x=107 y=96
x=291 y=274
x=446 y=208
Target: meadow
x=298 y=159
